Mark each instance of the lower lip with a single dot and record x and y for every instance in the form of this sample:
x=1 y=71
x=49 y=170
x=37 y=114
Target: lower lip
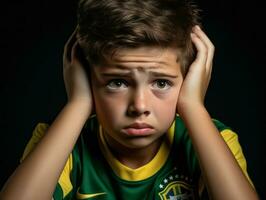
x=138 y=132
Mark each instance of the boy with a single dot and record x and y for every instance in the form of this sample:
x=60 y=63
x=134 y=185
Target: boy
x=142 y=71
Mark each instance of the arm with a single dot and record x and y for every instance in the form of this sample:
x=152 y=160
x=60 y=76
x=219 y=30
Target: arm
x=221 y=172
x=36 y=177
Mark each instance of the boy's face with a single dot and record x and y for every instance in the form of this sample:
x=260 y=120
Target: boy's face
x=136 y=94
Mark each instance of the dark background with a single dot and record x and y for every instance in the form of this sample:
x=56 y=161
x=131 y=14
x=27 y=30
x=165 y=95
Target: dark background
x=33 y=34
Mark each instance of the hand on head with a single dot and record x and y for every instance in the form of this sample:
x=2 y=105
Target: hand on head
x=76 y=78
x=196 y=82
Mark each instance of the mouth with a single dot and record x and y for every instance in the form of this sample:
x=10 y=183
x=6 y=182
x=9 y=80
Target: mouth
x=138 y=129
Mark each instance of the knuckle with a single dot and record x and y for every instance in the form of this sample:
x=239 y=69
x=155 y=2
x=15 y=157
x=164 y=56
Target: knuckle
x=212 y=47
x=204 y=51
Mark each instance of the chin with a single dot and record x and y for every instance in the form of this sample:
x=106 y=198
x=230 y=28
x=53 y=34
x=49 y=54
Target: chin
x=139 y=143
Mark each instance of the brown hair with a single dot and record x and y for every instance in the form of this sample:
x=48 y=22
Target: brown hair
x=105 y=26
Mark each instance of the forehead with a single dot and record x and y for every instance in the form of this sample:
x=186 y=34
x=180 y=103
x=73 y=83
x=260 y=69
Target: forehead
x=145 y=58
x=147 y=54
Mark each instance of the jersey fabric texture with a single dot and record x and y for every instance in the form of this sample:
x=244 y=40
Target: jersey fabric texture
x=92 y=172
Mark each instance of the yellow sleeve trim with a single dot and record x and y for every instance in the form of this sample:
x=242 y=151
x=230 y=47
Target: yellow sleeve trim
x=64 y=180
x=37 y=135
x=231 y=139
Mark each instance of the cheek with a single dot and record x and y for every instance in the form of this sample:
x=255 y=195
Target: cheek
x=102 y=105
x=165 y=108
x=108 y=109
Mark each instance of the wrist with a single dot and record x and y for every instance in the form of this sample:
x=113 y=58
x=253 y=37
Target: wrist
x=84 y=105
x=188 y=108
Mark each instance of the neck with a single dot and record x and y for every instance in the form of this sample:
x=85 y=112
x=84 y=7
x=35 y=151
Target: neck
x=133 y=157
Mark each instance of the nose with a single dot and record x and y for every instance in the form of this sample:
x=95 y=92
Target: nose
x=139 y=103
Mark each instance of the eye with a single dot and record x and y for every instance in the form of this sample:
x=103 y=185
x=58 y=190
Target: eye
x=117 y=84
x=161 y=84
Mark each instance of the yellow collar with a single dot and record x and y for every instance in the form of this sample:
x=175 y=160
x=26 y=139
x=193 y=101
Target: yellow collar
x=144 y=172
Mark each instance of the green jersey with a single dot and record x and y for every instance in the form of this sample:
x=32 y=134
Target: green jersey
x=92 y=171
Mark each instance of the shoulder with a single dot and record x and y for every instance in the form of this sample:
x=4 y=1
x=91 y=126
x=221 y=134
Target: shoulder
x=227 y=133
x=222 y=128
x=219 y=125
x=229 y=136
x=184 y=145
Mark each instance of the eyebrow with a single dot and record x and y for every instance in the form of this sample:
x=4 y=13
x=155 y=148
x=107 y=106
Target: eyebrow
x=117 y=74
x=161 y=74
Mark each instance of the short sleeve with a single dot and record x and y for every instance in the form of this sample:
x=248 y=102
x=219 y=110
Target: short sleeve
x=231 y=140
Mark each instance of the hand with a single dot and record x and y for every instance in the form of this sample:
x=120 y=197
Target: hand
x=195 y=84
x=75 y=77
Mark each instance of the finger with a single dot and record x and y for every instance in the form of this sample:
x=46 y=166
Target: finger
x=210 y=47
x=77 y=57
x=68 y=46
x=74 y=51
x=211 y=50
x=202 y=52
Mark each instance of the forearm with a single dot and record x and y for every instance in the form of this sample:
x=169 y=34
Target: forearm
x=36 y=177
x=221 y=172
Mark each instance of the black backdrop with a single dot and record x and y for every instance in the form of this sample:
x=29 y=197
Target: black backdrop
x=33 y=34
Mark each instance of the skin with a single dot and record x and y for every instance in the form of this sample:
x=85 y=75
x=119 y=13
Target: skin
x=138 y=86
x=41 y=169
